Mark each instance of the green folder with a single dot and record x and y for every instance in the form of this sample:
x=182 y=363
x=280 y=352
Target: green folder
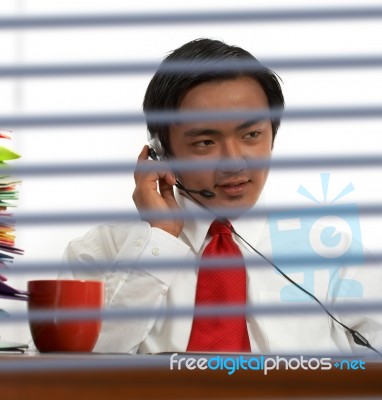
x=6 y=154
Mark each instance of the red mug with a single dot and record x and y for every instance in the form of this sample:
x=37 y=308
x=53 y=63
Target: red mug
x=57 y=335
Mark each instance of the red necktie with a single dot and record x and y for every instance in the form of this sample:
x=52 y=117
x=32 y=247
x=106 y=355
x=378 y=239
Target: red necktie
x=224 y=286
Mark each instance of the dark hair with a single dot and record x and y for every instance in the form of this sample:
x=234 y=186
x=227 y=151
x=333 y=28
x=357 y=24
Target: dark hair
x=167 y=88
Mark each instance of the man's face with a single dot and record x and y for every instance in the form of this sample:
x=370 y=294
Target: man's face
x=236 y=186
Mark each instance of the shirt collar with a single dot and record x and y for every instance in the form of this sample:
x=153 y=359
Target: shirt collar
x=195 y=229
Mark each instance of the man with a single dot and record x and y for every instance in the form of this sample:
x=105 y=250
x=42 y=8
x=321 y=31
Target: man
x=232 y=185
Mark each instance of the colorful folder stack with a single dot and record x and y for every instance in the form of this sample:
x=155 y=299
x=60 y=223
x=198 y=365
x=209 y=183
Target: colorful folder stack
x=8 y=197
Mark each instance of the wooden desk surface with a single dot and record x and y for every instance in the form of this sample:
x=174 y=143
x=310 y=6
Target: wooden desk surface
x=125 y=377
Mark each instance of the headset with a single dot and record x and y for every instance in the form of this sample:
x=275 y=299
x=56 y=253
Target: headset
x=156 y=153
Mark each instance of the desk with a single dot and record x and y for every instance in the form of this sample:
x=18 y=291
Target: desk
x=149 y=377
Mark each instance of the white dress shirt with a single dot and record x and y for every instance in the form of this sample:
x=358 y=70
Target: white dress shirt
x=132 y=287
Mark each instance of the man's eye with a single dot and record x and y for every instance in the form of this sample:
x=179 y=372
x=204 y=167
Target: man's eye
x=204 y=143
x=252 y=135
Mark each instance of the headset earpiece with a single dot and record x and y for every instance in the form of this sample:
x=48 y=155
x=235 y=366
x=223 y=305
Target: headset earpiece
x=153 y=154
x=157 y=148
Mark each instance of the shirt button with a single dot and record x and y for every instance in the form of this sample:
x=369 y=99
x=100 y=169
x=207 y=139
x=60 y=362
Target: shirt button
x=138 y=243
x=155 y=251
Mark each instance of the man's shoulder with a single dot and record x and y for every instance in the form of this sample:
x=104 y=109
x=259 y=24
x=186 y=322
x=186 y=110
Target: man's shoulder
x=117 y=233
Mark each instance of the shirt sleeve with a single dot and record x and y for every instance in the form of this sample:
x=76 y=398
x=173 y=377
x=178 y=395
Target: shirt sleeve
x=134 y=291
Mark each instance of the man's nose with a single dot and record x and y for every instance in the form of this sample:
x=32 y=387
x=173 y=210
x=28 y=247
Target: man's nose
x=233 y=158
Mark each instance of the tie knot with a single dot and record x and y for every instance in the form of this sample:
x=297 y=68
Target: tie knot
x=219 y=227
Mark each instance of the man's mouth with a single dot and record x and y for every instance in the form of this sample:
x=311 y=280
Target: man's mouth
x=233 y=184
x=234 y=188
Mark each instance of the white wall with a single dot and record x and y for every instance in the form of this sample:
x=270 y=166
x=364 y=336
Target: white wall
x=125 y=93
